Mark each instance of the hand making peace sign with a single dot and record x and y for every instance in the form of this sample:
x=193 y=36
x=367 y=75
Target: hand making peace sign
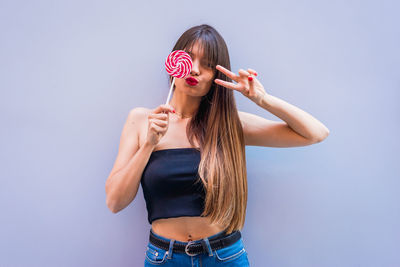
x=247 y=84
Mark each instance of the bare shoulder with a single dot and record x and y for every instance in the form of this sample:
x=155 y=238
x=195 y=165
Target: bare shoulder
x=134 y=122
x=138 y=119
x=137 y=116
x=138 y=113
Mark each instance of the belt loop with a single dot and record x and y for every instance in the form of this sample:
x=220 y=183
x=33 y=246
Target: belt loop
x=207 y=246
x=170 y=249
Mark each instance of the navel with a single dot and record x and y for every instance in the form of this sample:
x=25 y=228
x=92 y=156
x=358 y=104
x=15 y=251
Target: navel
x=190 y=238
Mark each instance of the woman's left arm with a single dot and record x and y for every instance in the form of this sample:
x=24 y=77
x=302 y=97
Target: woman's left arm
x=298 y=120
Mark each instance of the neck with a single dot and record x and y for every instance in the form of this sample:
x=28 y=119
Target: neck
x=185 y=105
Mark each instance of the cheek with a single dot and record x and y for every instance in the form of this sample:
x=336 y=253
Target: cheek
x=211 y=78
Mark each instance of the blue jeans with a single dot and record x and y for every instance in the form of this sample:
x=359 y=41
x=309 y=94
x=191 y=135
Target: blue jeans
x=232 y=255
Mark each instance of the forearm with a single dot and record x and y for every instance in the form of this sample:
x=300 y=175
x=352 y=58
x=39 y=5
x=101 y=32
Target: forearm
x=123 y=185
x=299 y=120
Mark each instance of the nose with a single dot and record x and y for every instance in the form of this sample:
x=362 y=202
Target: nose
x=195 y=67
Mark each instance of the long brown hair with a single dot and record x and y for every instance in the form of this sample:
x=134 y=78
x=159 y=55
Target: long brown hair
x=218 y=129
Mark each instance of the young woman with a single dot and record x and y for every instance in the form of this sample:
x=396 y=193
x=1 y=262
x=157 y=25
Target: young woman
x=189 y=157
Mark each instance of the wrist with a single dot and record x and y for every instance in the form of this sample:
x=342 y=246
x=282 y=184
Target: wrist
x=148 y=146
x=264 y=101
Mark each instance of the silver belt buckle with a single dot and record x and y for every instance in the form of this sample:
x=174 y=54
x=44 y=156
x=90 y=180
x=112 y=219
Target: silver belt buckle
x=186 y=248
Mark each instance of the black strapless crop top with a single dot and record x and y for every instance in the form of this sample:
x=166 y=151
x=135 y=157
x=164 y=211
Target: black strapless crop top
x=169 y=184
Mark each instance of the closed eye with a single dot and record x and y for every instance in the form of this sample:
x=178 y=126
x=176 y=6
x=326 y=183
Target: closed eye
x=208 y=64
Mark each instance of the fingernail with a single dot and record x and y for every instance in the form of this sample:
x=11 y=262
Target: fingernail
x=255 y=73
x=250 y=78
x=173 y=111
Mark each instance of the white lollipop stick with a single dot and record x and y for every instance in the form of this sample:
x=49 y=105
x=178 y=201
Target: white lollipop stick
x=170 y=91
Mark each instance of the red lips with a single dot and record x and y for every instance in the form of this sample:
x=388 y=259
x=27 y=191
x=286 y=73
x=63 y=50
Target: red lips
x=191 y=81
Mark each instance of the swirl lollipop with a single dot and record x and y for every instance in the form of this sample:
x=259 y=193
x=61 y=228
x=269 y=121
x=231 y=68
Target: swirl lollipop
x=178 y=64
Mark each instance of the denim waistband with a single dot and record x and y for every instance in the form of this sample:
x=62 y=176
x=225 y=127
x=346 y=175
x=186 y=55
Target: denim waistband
x=217 y=235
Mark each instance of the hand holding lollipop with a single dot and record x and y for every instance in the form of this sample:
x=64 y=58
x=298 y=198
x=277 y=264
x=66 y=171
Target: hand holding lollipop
x=178 y=64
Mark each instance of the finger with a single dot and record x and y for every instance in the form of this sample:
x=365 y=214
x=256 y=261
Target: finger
x=247 y=75
x=252 y=72
x=163 y=108
x=159 y=122
x=227 y=84
x=161 y=116
x=243 y=73
x=157 y=128
x=227 y=72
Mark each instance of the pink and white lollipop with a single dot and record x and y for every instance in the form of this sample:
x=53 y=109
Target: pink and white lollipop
x=178 y=64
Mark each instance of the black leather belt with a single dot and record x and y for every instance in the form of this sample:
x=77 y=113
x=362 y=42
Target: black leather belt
x=193 y=248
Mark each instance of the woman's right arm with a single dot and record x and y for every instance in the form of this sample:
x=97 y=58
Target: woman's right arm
x=123 y=182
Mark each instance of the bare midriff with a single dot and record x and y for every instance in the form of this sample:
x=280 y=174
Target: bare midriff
x=185 y=228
